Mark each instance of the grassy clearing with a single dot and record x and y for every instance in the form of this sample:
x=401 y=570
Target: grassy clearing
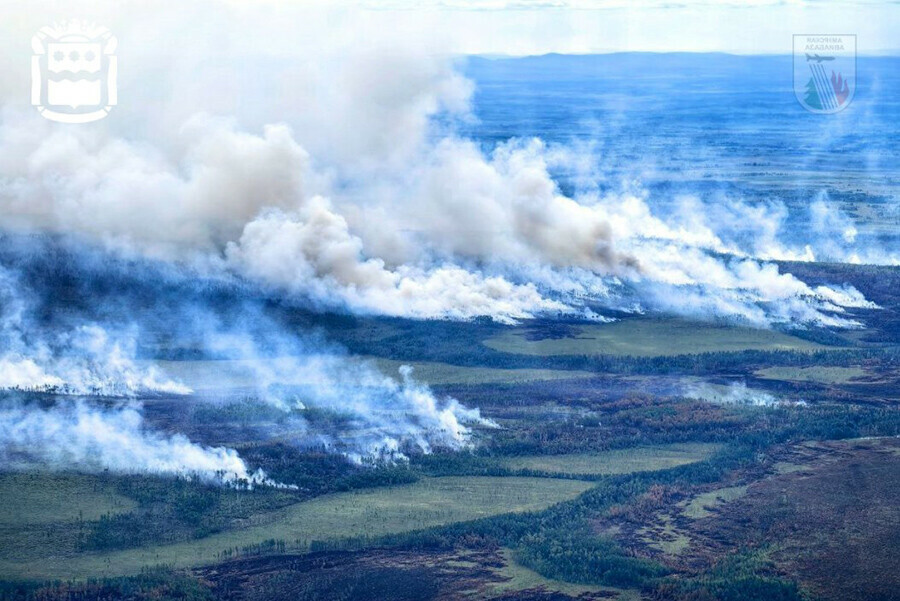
x=212 y=374
x=649 y=338
x=375 y=512
x=619 y=461
x=818 y=373
x=36 y=498
x=702 y=505
x=443 y=373
x=227 y=374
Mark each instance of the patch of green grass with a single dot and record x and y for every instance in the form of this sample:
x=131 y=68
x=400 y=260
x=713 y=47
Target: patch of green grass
x=214 y=374
x=435 y=373
x=517 y=577
x=43 y=498
x=206 y=375
x=649 y=338
x=817 y=373
x=619 y=461
x=367 y=513
x=701 y=505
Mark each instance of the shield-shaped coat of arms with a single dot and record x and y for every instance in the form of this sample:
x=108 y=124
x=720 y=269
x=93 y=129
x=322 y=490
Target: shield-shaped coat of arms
x=824 y=71
x=73 y=72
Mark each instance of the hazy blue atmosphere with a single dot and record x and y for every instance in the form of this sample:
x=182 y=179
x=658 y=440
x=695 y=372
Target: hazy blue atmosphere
x=713 y=125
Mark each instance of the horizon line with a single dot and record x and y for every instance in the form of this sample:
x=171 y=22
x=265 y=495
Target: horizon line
x=888 y=53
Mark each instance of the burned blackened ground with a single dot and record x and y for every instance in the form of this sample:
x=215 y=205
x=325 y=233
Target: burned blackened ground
x=823 y=514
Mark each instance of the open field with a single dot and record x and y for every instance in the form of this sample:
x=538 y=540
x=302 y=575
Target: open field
x=213 y=375
x=817 y=373
x=647 y=338
x=619 y=461
x=664 y=536
x=436 y=374
x=48 y=498
x=371 y=513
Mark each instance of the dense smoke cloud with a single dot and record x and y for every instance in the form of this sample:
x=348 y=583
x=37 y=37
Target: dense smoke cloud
x=460 y=235
x=324 y=175
x=87 y=360
x=506 y=212
x=242 y=195
x=79 y=436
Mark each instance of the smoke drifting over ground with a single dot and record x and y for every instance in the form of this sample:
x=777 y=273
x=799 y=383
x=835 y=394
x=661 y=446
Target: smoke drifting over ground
x=82 y=360
x=319 y=173
x=736 y=393
x=79 y=321
x=82 y=437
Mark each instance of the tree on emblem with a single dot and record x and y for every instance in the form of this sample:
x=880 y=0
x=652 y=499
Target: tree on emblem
x=812 y=95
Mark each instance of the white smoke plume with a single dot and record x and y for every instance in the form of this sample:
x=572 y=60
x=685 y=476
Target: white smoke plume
x=313 y=253
x=356 y=199
x=380 y=417
x=508 y=213
x=88 y=361
x=75 y=435
x=736 y=393
x=762 y=231
x=463 y=235
x=372 y=417
x=85 y=360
